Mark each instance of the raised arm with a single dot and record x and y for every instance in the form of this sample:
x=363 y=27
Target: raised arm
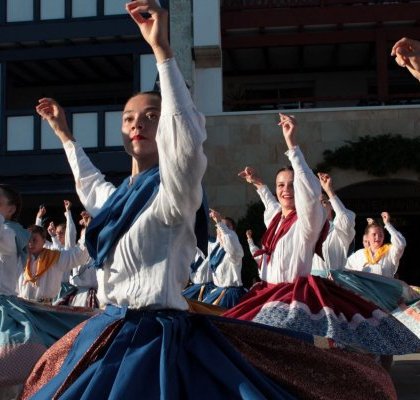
x=307 y=189
x=345 y=219
x=397 y=239
x=91 y=186
x=271 y=205
x=228 y=237
x=181 y=130
x=70 y=236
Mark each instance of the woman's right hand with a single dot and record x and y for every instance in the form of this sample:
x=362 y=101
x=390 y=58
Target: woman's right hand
x=289 y=126
x=251 y=176
x=52 y=112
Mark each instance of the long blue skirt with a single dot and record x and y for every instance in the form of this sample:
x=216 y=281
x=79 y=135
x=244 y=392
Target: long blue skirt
x=193 y=291
x=230 y=296
x=159 y=355
x=176 y=355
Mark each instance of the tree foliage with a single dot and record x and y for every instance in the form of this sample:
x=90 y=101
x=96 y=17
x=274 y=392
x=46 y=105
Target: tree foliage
x=377 y=155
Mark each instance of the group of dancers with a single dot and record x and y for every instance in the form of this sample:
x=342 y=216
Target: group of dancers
x=292 y=335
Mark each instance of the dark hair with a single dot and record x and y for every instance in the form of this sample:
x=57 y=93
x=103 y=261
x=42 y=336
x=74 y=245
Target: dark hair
x=285 y=168
x=62 y=225
x=13 y=198
x=40 y=230
x=232 y=222
x=154 y=93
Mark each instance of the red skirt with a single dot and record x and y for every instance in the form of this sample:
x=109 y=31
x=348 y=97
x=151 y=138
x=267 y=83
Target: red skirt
x=318 y=306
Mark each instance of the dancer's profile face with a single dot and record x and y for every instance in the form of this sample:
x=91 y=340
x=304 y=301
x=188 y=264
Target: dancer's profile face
x=139 y=126
x=284 y=189
x=36 y=243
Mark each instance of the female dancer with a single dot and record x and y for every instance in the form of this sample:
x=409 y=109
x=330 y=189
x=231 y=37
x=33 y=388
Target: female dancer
x=288 y=296
x=145 y=343
x=26 y=329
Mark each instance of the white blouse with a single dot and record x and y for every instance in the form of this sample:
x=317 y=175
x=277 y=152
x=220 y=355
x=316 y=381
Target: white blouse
x=293 y=254
x=70 y=234
x=340 y=236
x=203 y=273
x=228 y=272
x=388 y=264
x=84 y=276
x=10 y=263
x=48 y=285
x=149 y=266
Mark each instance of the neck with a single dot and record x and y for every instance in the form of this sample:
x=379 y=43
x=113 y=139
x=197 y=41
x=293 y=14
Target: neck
x=374 y=249
x=287 y=211
x=138 y=166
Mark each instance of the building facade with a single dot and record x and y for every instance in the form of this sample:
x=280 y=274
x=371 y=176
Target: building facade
x=325 y=61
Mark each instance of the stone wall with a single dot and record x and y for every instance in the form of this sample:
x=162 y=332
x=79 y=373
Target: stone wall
x=239 y=139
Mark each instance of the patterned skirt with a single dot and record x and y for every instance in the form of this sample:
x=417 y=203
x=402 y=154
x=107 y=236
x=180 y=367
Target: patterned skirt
x=173 y=355
x=318 y=306
x=393 y=295
x=27 y=329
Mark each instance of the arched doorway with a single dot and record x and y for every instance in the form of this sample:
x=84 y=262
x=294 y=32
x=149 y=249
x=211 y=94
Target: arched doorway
x=401 y=198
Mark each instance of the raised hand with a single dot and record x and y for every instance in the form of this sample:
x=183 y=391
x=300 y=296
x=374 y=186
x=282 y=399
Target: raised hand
x=67 y=205
x=385 y=217
x=407 y=55
x=251 y=176
x=51 y=229
x=154 y=28
x=248 y=234
x=52 y=112
x=215 y=216
x=289 y=126
x=86 y=218
x=41 y=212
x=326 y=183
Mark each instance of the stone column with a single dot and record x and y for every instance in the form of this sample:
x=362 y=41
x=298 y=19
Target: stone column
x=208 y=56
x=180 y=12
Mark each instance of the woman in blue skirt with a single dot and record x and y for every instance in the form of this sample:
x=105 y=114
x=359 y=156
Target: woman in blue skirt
x=146 y=344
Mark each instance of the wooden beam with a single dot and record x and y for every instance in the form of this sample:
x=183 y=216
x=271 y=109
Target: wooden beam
x=316 y=38
x=278 y=17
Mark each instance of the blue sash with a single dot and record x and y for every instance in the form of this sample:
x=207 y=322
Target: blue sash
x=123 y=208
x=216 y=257
x=119 y=213
x=196 y=264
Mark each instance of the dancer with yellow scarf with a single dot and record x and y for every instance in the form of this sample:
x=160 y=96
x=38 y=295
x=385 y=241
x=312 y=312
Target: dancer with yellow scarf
x=379 y=258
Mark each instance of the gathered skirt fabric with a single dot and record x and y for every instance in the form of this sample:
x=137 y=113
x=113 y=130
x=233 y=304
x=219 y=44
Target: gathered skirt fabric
x=194 y=290
x=393 y=295
x=225 y=297
x=178 y=355
x=27 y=329
x=318 y=306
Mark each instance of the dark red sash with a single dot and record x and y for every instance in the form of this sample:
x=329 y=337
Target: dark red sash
x=272 y=235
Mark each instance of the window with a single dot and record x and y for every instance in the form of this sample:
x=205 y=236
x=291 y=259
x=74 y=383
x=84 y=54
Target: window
x=20 y=133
